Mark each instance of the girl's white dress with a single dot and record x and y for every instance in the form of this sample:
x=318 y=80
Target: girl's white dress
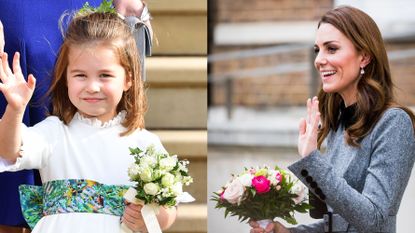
x=83 y=149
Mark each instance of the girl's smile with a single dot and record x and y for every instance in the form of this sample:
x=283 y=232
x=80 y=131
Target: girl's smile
x=96 y=81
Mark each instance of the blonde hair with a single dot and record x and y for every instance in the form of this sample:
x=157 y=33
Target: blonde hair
x=108 y=29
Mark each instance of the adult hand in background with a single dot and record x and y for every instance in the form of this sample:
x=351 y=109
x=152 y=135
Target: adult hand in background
x=133 y=8
x=308 y=129
x=129 y=7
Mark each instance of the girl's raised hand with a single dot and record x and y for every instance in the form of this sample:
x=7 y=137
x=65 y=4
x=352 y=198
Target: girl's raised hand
x=308 y=129
x=13 y=85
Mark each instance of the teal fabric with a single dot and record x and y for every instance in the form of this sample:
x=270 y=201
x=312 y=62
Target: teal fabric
x=68 y=196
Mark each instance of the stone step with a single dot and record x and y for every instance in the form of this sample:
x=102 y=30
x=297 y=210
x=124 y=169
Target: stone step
x=190 y=145
x=177 y=94
x=191 y=218
x=180 y=26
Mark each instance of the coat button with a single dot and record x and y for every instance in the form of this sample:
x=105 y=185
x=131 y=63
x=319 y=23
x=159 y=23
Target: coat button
x=322 y=196
x=318 y=191
x=304 y=172
x=313 y=185
x=309 y=179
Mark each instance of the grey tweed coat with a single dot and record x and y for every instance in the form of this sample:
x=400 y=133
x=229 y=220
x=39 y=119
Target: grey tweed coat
x=363 y=186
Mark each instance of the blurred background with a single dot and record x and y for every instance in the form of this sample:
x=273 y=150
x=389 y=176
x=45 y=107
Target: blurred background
x=261 y=72
x=177 y=96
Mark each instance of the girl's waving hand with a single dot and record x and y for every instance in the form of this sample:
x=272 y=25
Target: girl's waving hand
x=14 y=87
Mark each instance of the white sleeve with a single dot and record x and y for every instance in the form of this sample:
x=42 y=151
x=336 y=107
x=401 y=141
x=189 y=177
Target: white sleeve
x=35 y=149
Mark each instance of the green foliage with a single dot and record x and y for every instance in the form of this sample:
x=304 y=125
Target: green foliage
x=105 y=7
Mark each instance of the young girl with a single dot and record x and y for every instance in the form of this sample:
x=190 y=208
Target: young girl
x=82 y=149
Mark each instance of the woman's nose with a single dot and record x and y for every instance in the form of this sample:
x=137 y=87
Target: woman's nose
x=320 y=59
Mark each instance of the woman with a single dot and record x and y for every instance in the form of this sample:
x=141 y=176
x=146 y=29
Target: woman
x=31 y=27
x=370 y=138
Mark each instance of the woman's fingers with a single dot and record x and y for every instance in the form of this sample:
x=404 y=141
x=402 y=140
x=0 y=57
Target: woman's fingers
x=308 y=110
x=302 y=126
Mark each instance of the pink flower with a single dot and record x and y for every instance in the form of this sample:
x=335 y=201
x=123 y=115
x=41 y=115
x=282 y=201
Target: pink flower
x=261 y=184
x=221 y=195
x=278 y=176
x=233 y=193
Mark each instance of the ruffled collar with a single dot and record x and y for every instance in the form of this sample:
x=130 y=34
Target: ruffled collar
x=347 y=115
x=93 y=121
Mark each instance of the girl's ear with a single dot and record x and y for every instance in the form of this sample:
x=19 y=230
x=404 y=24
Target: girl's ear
x=128 y=81
x=366 y=58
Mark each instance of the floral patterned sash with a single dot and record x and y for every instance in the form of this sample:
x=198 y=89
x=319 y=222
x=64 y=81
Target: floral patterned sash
x=68 y=196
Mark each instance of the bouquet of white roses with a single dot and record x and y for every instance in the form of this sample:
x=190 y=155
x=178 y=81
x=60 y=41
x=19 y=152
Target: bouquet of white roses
x=262 y=194
x=159 y=181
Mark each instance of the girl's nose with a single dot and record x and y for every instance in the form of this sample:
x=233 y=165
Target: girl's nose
x=93 y=86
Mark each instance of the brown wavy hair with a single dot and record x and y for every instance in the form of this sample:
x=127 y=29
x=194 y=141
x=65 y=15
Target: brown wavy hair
x=374 y=89
x=110 y=30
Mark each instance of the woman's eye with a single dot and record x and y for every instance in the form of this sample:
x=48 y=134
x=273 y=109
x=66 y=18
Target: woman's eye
x=332 y=49
x=316 y=50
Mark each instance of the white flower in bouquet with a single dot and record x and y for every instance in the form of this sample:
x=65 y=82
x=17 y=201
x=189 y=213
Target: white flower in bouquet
x=187 y=180
x=234 y=192
x=133 y=170
x=167 y=180
x=246 y=179
x=177 y=188
x=148 y=161
x=300 y=190
x=167 y=164
x=146 y=174
x=274 y=176
x=151 y=188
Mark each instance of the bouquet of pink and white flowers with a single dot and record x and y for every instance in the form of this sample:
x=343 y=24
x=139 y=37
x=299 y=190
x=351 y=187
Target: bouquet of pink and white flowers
x=262 y=194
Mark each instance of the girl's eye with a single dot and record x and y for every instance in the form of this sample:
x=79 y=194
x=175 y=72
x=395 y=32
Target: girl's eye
x=80 y=76
x=105 y=76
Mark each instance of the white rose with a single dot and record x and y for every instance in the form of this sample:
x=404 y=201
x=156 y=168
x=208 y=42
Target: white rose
x=151 y=188
x=298 y=189
x=148 y=161
x=133 y=170
x=246 y=180
x=272 y=177
x=167 y=180
x=177 y=188
x=146 y=174
x=168 y=163
x=233 y=193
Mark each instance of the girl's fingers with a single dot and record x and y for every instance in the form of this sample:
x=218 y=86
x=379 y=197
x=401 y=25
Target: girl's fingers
x=3 y=74
x=31 y=82
x=16 y=65
x=6 y=66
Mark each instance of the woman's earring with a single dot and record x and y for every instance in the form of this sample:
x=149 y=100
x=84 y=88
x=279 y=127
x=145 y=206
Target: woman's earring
x=362 y=71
